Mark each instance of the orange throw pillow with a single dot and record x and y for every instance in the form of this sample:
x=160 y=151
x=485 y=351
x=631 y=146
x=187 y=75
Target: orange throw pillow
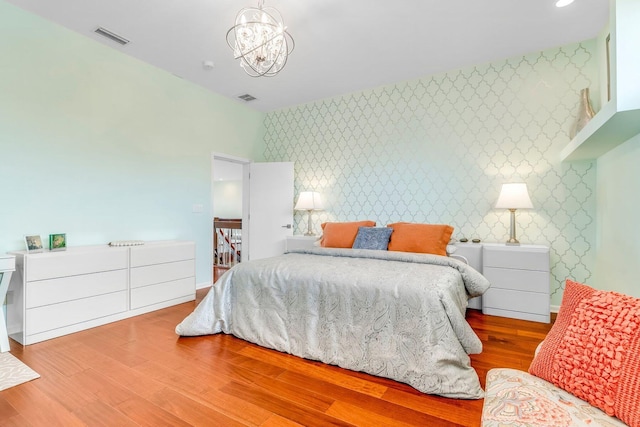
x=341 y=234
x=593 y=350
x=422 y=238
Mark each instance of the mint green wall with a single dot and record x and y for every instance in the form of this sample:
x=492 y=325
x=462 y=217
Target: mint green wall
x=101 y=146
x=618 y=242
x=437 y=150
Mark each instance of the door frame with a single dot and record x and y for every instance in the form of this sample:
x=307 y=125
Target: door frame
x=245 y=199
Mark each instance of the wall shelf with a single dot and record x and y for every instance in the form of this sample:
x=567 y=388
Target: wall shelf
x=619 y=119
x=605 y=131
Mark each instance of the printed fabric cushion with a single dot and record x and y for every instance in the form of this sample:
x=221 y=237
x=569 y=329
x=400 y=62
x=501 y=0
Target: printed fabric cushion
x=421 y=238
x=515 y=398
x=341 y=234
x=593 y=350
x=376 y=238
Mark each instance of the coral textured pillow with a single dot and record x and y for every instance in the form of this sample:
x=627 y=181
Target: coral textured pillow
x=593 y=350
x=341 y=234
x=376 y=238
x=422 y=238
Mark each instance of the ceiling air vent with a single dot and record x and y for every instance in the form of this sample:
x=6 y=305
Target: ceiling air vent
x=111 y=35
x=247 y=97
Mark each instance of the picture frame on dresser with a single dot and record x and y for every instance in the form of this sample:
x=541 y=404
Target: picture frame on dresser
x=33 y=243
x=57 y=242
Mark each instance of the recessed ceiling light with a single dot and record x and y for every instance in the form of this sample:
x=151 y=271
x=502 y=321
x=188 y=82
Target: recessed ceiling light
x=563 y=3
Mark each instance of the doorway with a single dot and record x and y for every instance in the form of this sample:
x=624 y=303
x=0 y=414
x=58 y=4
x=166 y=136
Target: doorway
x=266 y=208
x=228 y=206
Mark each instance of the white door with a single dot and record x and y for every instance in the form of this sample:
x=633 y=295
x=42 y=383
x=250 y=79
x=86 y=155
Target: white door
x=270 y=208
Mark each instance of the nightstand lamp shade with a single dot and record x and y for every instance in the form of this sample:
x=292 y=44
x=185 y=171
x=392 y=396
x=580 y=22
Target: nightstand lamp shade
x=514 y=196
x=309 y=201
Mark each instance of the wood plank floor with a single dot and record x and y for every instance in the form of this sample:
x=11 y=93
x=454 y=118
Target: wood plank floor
x=137 y=372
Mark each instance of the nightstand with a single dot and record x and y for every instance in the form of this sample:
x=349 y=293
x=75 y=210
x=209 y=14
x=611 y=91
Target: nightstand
x=519 y=277
x=300 y=242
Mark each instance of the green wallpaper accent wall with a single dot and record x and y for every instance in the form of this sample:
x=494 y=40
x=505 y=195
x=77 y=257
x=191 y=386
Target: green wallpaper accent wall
x=98 y=145
x=437 y=150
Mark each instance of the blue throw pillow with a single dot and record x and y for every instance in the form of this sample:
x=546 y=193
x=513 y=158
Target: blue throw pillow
x=373 y=238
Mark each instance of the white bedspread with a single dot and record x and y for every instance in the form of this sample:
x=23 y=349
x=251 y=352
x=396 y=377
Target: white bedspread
x=391 y=314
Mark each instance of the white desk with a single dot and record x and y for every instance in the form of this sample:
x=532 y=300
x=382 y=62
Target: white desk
x=7 y=266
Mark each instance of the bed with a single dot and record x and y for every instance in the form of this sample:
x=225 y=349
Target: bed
x=392 y=314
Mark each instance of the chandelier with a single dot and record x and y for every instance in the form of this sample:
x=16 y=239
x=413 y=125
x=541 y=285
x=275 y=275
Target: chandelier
x=260 y=41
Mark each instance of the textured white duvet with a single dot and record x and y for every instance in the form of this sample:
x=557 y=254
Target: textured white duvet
x=391 y=314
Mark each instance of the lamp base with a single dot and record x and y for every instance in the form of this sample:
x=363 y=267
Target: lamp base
x=309 y=228
x=512 y=229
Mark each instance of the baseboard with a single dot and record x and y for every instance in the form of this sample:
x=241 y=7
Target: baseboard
x=555 y=308
x=203 y=285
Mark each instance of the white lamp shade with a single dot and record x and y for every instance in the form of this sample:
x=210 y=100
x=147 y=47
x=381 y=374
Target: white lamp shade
x=309 y=201
x=514 y=196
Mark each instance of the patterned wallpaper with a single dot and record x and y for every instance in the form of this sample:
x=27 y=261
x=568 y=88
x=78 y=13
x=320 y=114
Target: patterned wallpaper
x=438 y=149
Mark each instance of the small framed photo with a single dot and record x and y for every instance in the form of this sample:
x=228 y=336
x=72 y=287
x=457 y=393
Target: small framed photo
x=34 y=243
x=57 y=242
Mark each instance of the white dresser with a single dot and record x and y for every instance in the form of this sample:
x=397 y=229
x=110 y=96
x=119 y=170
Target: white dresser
x=57 y=293
x=520 y=279
x=161 y=272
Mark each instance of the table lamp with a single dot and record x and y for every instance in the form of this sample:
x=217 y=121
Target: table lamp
x=514 y=196
x=309 y=201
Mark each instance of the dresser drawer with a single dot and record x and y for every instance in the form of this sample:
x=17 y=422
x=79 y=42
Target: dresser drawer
x=154 y=294
x=519 y=280
x=152 y=274
x=53 y=291
x=517 y=257
x=53 y=316
x=161 y=253
x=516 y=301
x=51 y=265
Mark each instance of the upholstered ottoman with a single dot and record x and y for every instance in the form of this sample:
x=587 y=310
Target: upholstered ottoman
x=516 y=399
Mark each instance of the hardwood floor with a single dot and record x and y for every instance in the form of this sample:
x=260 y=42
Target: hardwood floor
x=138 y=372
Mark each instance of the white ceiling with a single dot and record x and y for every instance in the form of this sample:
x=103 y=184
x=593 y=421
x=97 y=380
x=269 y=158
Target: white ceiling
x=342 y=46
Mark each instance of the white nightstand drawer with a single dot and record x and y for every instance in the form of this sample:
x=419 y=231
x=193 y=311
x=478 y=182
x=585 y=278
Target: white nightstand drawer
x=518 y=280
x=519 y=277
x=300 y=242
x=516 y=301
x=526 y=257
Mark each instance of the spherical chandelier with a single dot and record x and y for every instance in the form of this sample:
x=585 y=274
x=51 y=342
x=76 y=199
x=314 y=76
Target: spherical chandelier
x=260 y=41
